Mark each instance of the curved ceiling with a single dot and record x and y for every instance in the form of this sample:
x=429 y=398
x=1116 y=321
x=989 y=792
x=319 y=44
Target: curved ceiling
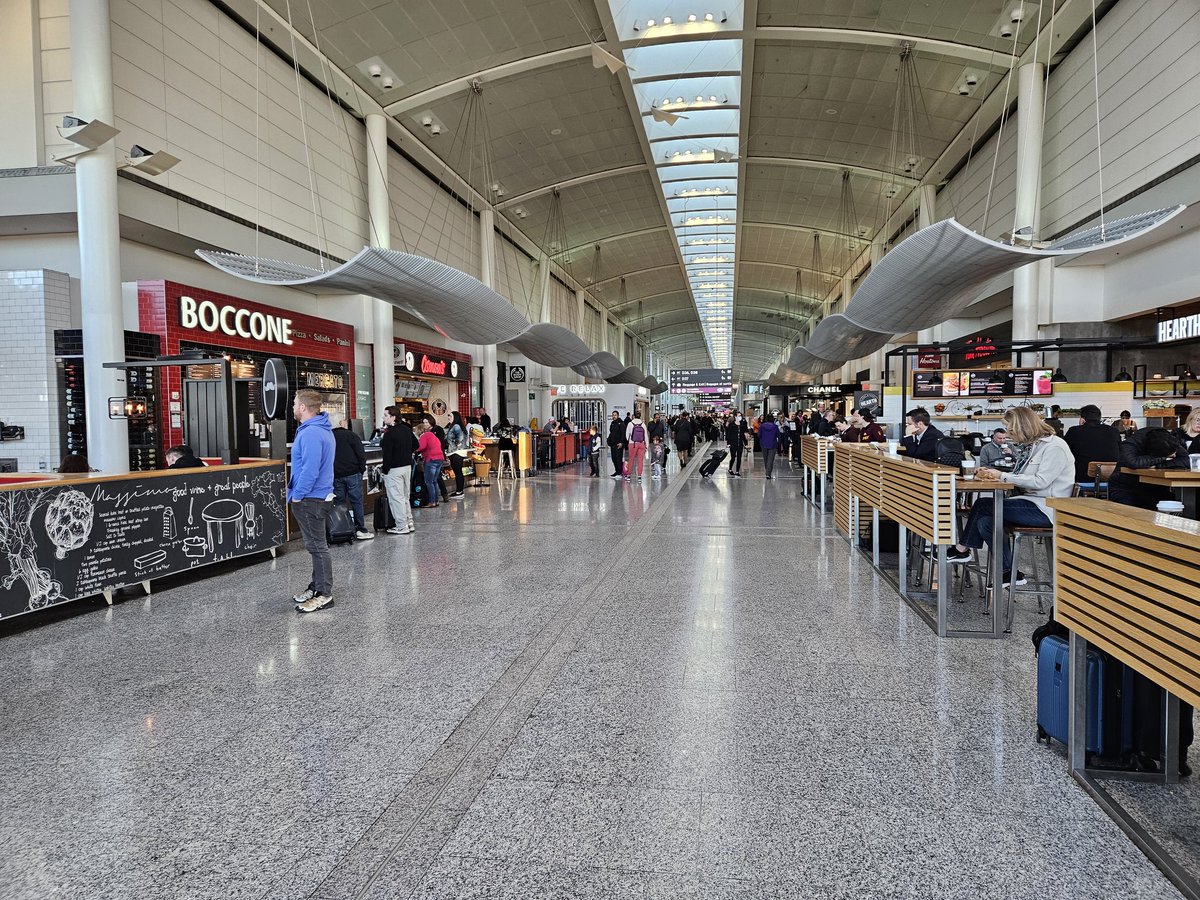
x=712 y=230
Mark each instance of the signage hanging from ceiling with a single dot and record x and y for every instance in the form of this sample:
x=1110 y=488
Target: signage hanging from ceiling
x=701 y=381
x=929 y=358
x=429 y=364
x=1181 y=328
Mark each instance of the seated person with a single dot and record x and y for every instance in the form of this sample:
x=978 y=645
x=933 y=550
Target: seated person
x=869 y=431
x=1147 y=448
x=920 y=438
x=1125 y=425
x=181 y=457
x=1048 y=470
x=998 y=452
x=847 y=432
x=1189 y=432
x=1092 y=441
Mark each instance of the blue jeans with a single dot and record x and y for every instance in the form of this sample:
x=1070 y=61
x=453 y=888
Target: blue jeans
x=433 y=482
x=348 y=490
x=978 y=530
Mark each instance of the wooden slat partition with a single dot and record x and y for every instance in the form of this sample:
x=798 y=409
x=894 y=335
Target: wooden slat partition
x=866 y=476
x=920 y=496
x=842 y=473
x=1128 y=580
x=814 y=453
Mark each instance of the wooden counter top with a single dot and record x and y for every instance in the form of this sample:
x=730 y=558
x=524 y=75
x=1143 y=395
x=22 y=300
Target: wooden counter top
x=54 y=479
x=1175 y=529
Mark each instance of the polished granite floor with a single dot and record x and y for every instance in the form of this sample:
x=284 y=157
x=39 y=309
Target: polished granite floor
x=570 y=687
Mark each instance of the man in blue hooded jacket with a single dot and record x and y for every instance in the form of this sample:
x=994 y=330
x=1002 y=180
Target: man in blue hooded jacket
x=310 y=492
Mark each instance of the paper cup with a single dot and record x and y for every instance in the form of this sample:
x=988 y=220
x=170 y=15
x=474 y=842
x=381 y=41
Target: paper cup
x=968 y=470
x=893 y=446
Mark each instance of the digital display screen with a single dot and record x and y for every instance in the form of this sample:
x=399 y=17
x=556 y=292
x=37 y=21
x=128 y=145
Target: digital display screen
x=702 y=381
x=984 y=383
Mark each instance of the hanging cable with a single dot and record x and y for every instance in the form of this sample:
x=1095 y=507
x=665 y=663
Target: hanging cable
x=257 y=134
x=1012 y=65
x=1099 y=145
x=318 y=220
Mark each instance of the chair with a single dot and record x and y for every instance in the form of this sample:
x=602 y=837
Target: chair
x=507 y=468
x=1035 y=586
x=1099 y=473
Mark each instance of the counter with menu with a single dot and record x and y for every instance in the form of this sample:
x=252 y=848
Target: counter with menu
x=68 y=537
x=982 y=383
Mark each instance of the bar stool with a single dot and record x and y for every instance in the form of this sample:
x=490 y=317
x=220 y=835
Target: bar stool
x=507 y=468
x=1034 y=586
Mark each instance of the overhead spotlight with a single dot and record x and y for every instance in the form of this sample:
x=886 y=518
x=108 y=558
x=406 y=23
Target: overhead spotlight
x=87 y=134
x=650 y=23
x=375 y=70
x=1016 y=15
x=435 y=129
x=724 y=17
x=426 y=120
x=1006 y=31
x=971 y=78
x=692 y=17
x=387 y=84
x=149 y=162
x=667 y=20
x=708 y=17
x=963 y=90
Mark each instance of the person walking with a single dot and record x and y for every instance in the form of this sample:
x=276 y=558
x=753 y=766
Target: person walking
x=636 y=434
x=458 y=446
x=310 y=492
x=349 y=466
x=616 y=444
x=768 y=439
x=684 y=435
x=736 y=430
x=397 y=464
x=433 y=459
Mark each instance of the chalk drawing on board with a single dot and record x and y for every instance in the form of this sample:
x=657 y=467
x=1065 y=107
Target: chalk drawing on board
x=219 y=514
x=20 y=548
x=69 y=521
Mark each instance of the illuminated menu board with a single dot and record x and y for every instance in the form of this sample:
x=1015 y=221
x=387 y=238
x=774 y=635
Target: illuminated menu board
x=984 y=383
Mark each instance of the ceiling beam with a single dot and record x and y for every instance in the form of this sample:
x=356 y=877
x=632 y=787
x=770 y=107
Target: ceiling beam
x=574 y=182
x=971 y=53
x=485 y=76
x=823 y=231
x=863 y=171
x=631 y=274
x=612 y=238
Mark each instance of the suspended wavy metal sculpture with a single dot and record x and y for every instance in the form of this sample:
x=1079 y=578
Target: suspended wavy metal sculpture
x=933 y=276
x=449 y=300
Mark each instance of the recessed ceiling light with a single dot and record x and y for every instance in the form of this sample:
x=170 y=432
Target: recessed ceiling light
x=831 y=111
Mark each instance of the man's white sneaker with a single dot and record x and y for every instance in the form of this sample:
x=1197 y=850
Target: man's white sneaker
x=313 y=603
x=395 y=530
x=364 y=535
x=304 y=596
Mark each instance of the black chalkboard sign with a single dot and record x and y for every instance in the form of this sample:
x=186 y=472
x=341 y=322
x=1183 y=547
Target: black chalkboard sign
x=67 y=541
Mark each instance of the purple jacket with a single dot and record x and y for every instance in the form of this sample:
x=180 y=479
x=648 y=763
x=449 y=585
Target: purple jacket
x=768 y=435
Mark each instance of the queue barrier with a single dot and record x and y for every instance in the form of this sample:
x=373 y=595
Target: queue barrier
x=1128 y=581
x=814 y=457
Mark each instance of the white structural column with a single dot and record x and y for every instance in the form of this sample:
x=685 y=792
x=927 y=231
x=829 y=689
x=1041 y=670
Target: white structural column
x=926 y=216
x=379 y=209
x=1030 y=80
x=487 y=352
x=580 y=318
x=547 y=374
x=99 y=238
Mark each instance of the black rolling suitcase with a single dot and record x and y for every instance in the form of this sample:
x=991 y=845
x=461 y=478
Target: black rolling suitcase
x=383 y=513
x=710 y=465
x=339 y=525
x=419 y=493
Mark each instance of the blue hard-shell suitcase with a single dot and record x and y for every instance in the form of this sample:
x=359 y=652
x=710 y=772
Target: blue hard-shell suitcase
x=1053 y=693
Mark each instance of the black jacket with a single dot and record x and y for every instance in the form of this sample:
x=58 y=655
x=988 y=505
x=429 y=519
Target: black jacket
x=398 y=445
x=616 y=434
x=1192 y=443
x=657 y=430
x=924 y=447
x=349 y=458
x=824 y=428
x=1092 y=442
x=735 y=435
x=684 y=434
x=188 y=462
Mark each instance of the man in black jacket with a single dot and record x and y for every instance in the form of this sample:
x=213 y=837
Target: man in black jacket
x=1092 y=441
x=616 y=444
x=921 y=438
x=349 y=466
x=398 y=445
x=1146 y=448
x=181 y=457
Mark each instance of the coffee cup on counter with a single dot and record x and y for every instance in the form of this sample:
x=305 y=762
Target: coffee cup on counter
x=968 y=469
x=1170 y=507
x=892 y=447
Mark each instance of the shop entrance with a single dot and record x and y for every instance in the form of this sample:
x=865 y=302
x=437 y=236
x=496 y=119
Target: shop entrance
x=583 y=413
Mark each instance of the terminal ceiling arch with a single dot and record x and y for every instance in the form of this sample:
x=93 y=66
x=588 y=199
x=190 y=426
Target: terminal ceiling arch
x=790 y=95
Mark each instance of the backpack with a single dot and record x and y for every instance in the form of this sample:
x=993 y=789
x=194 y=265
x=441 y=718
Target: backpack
x=950 y=452
x=639 y=434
